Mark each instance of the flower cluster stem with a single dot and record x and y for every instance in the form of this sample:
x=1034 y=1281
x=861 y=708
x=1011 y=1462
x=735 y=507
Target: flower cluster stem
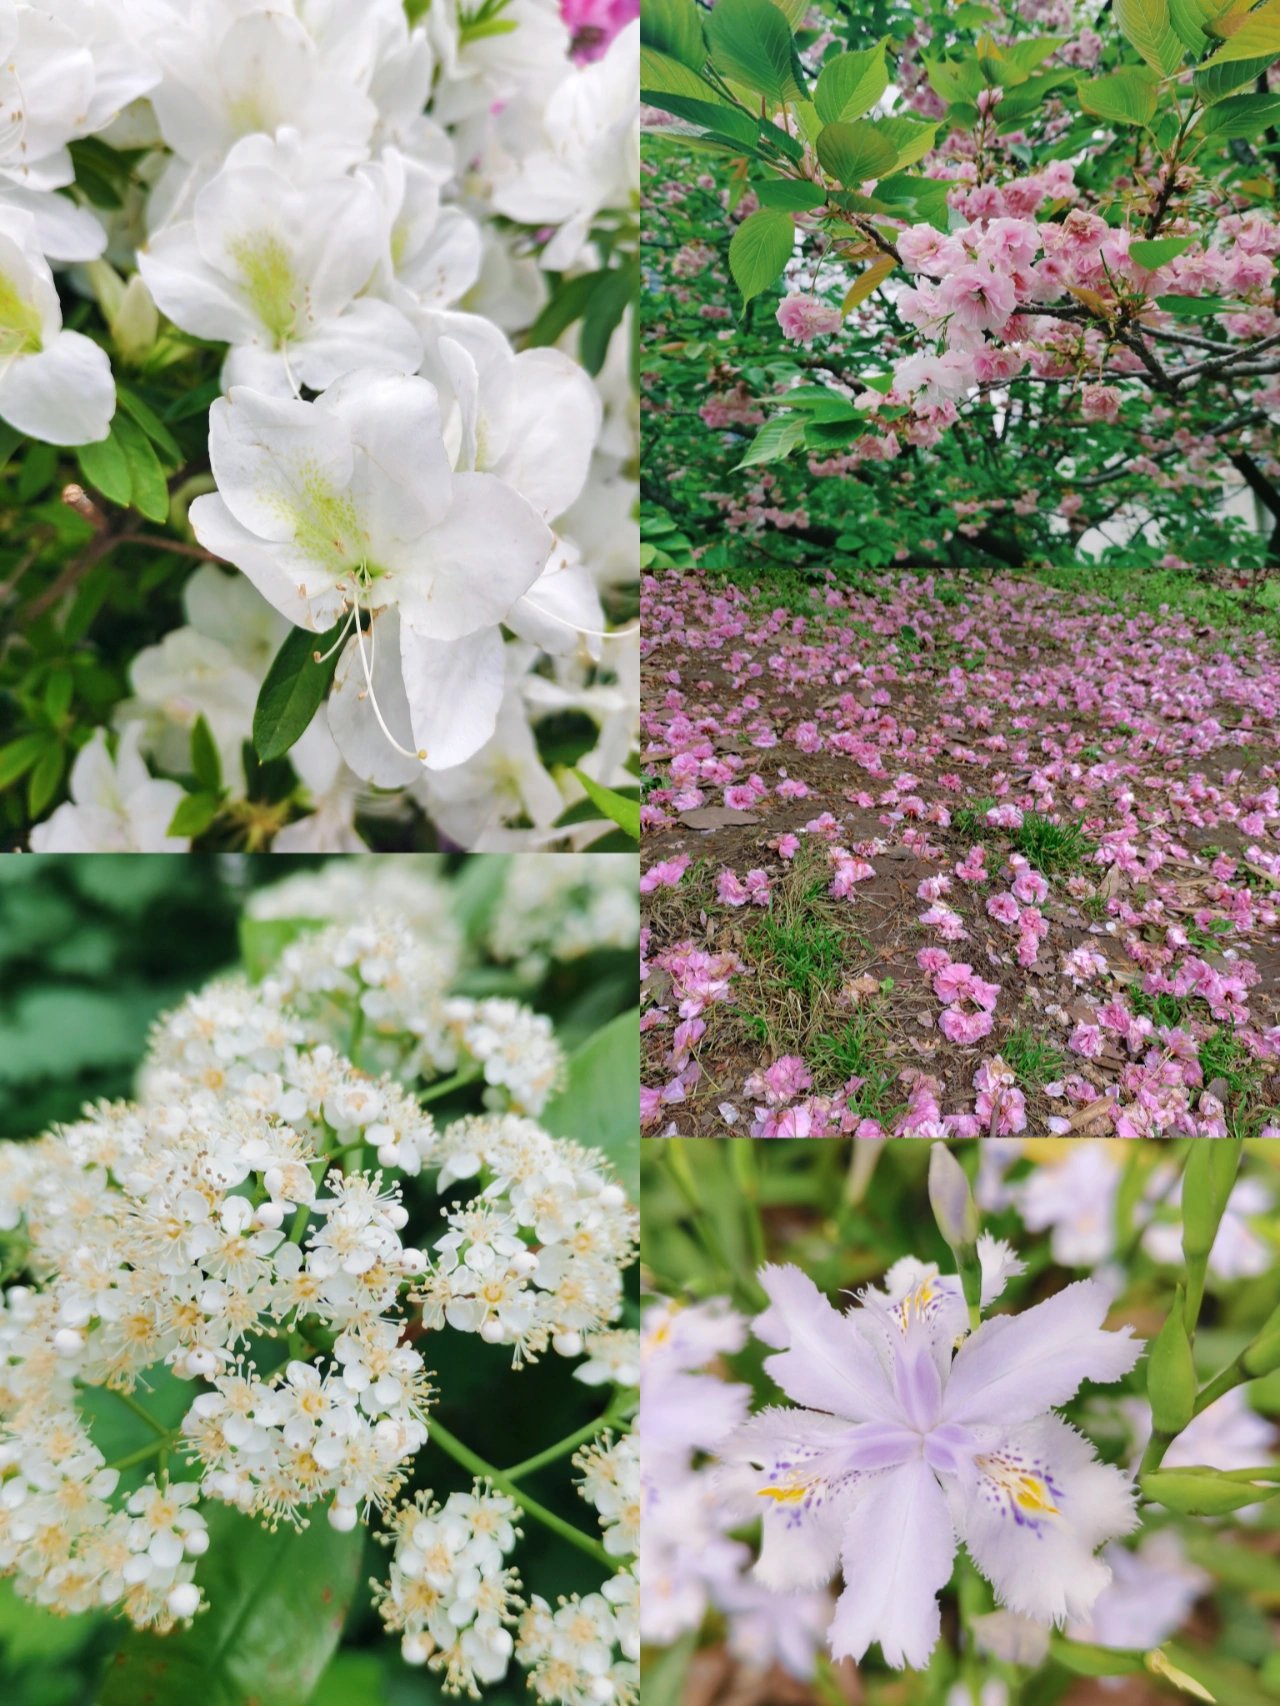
x=469 y=1459
x=583 y=1436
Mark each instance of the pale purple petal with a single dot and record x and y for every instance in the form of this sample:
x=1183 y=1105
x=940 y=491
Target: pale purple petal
x=825 y=1361
x=897 y=1555
x=1016 y=1367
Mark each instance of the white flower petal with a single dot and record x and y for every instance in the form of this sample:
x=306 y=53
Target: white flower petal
x=898 y=1551
x=63 y=394
x=825 y=1361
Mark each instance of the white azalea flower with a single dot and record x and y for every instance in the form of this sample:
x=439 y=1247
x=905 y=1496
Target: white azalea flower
x=54 y=384
x=480 y=69
x=348 y=505
x=272 y=262
x=589 y=156
x=116 y=806
x=908 y=1445
x=431 y=254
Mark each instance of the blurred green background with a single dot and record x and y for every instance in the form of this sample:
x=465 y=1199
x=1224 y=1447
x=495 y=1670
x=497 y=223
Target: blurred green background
x=92 y=949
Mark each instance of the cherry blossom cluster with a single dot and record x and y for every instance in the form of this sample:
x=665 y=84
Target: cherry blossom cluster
x=363 y=212
x=237 y=1242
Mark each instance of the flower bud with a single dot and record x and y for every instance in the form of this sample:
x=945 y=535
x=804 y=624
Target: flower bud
x=1202 y=1492
x=567 y=1344
x=342 y=1517
x=415 y=1649
x=1159 y=1665
x=67 y=1342
x=136 y=324
x=184 y=1600
x=270 y=1215
x=1171 y=1372
x=951 y=1199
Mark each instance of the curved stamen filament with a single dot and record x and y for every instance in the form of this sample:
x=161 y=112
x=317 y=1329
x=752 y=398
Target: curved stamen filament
x=323 y=657
x=369 y=694
x=591 y=633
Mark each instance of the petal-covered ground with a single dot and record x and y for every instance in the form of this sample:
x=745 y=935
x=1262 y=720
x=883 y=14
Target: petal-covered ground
x=957 y=857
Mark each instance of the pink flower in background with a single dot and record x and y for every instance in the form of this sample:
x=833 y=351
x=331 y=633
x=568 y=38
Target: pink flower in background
x=804 y=318
x=592 y=24
x=1100 y=402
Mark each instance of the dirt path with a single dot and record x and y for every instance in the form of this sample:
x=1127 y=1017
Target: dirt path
x=978 y=861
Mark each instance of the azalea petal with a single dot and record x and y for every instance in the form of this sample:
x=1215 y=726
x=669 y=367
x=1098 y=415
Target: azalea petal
x=454 y=688
x=1037 y=1509
x=1016 y=1367
x=898 y=1550
x=355 y=729
x=305 y=599
x=63 y=394
x=553 y=421
x=368 y=334
x=825 y=1362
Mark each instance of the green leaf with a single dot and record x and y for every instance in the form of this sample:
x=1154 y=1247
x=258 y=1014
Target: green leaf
x=1189 y=18
x=567 y=304
x=674 y=28
x=751 y=43
x=194 y=814
x=206 y=765
x=1123 y=97
x=150 y=423
x=18 y=757
x=1147 y=26
x=57 y=695
x=294 y=689
x=790 y=195
x=775 y=440
x=616 y=807
x=596 y=1107
x=263 y=940
x=1242 y=115
x=759 y=249
x=1219 y=77
x=42 y=784
x=106 y=468
x=617 y=289
x=856 y=151
x=955 y=80
x=909 y=139
x=1255 y=34
x=277 y=1603
x=1159 y=251
x=850 y=84
x=1195 y=307
x=149 y=491
x=928 y=196
x=660 y=74
x=1087 y=1660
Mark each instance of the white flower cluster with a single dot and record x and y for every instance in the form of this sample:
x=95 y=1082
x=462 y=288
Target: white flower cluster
x=363 y=211
x=450 y=1595
x=228 y=1233
x=559 y=907
x=537 y=1257
x=586 y=1652
x=409 y=888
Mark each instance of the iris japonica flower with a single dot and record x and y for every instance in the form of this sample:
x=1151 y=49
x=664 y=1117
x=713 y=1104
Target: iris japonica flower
x=916 y=1436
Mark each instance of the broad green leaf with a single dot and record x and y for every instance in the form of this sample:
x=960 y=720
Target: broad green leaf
x=42 y=784
x=674 y=28
x=661 y=74
x=616 y=807
x=19 y=755
x=774 y=441
x=1123 y=97
x=1189 y=18
x=1252 y=34
x=1242 y=115
x=150 y=423
x=955 y=80
x=149 y=491
x=928 y=197
x=206 y=765
x=1146 y=25
x=910 y=140
x=277 y=1603
x=106 y=468
x=599 y=1105
x=293 y=690
x=730 y=125
x=760 y=248
x=194 y=814
x=1195 y=307
x=751 y=43
x=608 y=302
x=790 y=194
x=1022 y=57
x=263 y=940
x=1159 y=251
x=850 y=84
x=855 y=152
x=567 y=304
x=1223 y=77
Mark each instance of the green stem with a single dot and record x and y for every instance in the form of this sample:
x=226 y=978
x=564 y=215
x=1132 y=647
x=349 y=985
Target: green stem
x=464 y=1455
x=132 y=1403
x=570 y=1443
x=467 y=1075
x=357 y=1030
x=1224 y=1381
x=157 y=1448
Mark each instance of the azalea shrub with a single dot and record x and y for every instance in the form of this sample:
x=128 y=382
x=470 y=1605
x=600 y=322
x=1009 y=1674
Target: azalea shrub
x=966 y=856
x=317 y=424
x=972 y=1423
x=961 y=284
x=319 y=1342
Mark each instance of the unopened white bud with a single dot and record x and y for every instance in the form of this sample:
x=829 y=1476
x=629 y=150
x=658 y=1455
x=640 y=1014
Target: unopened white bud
x=524 y=1264
x=412 y=1261
x=492 y=1331
x=184 y=1600
x=270 y=1215
x=201 y=1364
x=389 y=1155
x=567 y=1344
x=195 y=1542
x=397 y=1215
x=600 y=1688
x=67 y=1342
x=415 y=1649
x=613 y=1196
x=342 y=1517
